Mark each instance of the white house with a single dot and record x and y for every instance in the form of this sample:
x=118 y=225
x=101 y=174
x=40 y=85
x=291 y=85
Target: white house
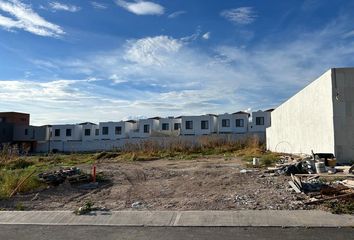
x=116 y=130
x=199 y=125
x=233 y=123
x=147 y=128
x=261 y=120
x=170 y=126
x=320 y=118
x=90 y=131
x=67 y=132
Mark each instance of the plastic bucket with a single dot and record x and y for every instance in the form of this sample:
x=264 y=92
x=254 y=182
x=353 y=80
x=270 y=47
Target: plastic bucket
x=320 y=167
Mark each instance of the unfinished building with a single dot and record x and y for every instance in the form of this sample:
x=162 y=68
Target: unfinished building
x=320 y=118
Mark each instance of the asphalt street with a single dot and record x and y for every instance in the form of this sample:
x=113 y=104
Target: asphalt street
x=42 y=232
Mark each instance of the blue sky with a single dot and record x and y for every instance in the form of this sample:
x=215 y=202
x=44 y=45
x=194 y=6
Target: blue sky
x=75 y=61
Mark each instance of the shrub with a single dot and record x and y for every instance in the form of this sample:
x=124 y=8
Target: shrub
x=9 y=180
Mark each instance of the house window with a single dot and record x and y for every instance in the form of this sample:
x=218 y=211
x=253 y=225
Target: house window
x=105 y=131
x=118 y=130
x=146 y=128
x=189 y=124
x=259 y=120
x=68 y=132
x=177 y=126
x=240 y=122
x=97 y=132
x=165 y=127
x=87 y=132
x=204 y=124
x=26 y=131
x=57 y=132
x=225 y=123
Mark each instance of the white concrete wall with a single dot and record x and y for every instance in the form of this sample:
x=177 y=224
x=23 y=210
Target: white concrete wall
x=197 y=130
x=76 y=132
x=109 y=145
x=126 y=129
x=232 y=128
x=92 y=128
x=305 y=121
x=153 y=129
x=343 y=105
x=266 y=115
x=171 y=122
x=33 y=133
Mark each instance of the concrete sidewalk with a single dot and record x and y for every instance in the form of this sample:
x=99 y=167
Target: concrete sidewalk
x=264 y=218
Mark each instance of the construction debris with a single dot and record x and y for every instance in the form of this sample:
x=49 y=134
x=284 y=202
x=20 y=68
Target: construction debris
x=72 y=175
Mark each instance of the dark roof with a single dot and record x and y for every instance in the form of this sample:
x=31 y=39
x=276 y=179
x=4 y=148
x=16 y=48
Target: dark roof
x=242 y=112
x=156 y=118
x=14 y=113
x=87 y=123
x=131 y=121
x=270 y=110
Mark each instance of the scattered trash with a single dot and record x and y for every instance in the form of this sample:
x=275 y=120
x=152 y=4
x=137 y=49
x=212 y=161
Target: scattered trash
x=35 y=197
x=248 y=170
x=137 y=205
x=255 y=161
x=85 y=209
x=348 y=183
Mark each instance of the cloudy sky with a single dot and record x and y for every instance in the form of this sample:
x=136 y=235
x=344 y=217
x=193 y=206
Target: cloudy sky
x=73 y=61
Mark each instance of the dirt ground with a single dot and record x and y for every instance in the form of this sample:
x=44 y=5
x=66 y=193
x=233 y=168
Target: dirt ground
x=212 y=183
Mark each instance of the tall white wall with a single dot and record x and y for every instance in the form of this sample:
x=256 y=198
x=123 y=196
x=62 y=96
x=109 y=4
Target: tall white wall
x=305 y=121
x=343 y=104
x=110 y=145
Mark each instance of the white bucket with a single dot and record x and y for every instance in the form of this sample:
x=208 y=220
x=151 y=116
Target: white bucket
x=320 y=167
x=255 y=161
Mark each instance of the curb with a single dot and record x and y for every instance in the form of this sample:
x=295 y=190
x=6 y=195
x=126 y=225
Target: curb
x=246 y=218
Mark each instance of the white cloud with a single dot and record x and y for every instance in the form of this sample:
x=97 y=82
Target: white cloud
x=349 y=34
x=23 y=17
x=206 y=35
x=98 y=5
x=176 y=14
x=141 y=7
x=241 y=16
x=57 y=6
x=152 y=50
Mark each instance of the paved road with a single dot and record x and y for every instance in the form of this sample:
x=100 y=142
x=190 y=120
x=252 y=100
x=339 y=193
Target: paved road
x=39 y=232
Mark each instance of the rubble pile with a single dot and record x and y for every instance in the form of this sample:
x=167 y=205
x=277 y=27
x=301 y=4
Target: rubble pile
x=316 y=177
x=72 y=175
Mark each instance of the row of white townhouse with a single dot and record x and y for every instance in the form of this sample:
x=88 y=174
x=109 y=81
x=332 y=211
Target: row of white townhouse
x=238 y=122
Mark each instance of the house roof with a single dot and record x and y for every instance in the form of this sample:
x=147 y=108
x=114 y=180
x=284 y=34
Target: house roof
x=242 y=112
x=131 y=121
x=270 y=110
x=87 y=123
x=156 y=118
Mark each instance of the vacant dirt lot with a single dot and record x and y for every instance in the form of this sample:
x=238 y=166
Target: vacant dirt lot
x=212 y=183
